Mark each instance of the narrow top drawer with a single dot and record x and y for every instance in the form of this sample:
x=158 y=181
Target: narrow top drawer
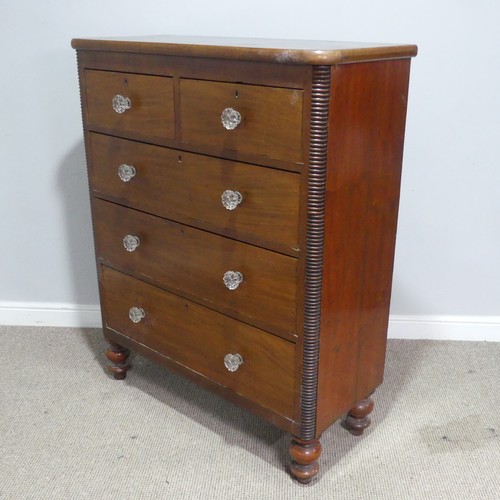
x=141 y=106
x=267 y=121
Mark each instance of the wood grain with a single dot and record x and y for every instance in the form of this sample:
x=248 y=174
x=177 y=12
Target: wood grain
x=367 y=119
x=314 y=52
x=200 y=338
x=317 y=158
x=152 y=97
x=257 y=73
x=286 y=423
x=271 y=118
x=193 y=185
x=188 y=260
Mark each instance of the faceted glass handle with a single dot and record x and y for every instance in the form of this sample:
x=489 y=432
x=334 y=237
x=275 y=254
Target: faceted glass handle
x=232 y=279
x=121 y=104
x=230 y=118
x=233 y=361
x=126 y=172
x=231 y=199
x=131 y=242
x=136 y=314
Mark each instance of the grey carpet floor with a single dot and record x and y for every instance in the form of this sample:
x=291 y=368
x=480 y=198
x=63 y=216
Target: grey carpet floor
x=69 y=431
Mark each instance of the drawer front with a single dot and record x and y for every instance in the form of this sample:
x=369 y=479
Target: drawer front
x=188 y=188
x=195 y=262
x=151 y=112
x=271 y=118
x=200 y=338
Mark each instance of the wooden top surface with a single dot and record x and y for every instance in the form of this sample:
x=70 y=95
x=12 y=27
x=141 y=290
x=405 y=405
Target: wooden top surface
x=251 y=49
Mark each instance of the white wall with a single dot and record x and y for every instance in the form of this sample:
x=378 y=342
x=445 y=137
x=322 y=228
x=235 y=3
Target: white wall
x=447 y=262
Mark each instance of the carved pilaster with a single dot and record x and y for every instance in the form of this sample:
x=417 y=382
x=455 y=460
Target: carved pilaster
x=318 y=142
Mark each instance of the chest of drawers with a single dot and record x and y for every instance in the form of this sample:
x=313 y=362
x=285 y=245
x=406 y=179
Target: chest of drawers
x=244 y=200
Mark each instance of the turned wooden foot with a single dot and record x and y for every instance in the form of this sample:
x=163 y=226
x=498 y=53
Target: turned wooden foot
x=357 y=419
x=304 y=455
x=118 y=356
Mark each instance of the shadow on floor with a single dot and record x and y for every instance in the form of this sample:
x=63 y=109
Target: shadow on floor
x=258 y=437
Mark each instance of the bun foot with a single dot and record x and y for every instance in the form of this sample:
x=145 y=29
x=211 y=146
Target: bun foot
x=118 y=356
x=357 y=419
x=304 y=455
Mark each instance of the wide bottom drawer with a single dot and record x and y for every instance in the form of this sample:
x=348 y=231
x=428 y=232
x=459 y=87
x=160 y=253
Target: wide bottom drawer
x=203 y=340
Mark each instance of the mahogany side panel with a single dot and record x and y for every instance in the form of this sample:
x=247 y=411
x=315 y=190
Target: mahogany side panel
x=366 y=128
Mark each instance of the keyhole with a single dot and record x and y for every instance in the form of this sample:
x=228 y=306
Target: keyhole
x=180 y=159
x=125 y=82
x=236 y=94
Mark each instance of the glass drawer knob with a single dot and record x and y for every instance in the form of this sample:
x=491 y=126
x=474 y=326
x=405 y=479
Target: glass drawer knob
x=121 y=104
x=231 y=199
x=136 y=314
x=126 y=172
x=232 y=279
x=230 y=118
x=131 y=242
x=233 y=361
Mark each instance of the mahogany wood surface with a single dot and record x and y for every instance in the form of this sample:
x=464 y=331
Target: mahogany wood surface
x=194 y=261
x=271 y=118
x=367 y=118
x=317 y=158
x=152 y=97
x=233 y=71
x=193 y=185
x=314 y=52
x=200 y=338
x=283 y=75
x=285 y=423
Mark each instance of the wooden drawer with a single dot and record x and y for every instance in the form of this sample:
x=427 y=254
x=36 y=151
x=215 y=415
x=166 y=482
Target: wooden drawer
x=188 y=187
x=271 y=118
x=195 y=261
x=200 y=338
x=151 y=113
